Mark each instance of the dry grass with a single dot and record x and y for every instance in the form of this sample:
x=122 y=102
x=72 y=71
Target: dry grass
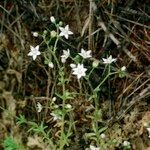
x=106 y=27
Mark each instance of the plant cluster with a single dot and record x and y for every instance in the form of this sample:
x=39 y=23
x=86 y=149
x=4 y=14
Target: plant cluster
x=81 y=67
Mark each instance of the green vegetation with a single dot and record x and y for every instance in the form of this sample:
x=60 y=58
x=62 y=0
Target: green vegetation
x=74 y=75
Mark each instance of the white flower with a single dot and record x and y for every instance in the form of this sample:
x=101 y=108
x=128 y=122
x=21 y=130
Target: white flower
x=103 y=136
x=65 y=31
x=39 y=107
x=55 y=116
x=126 y=143
x=79 y=71
x=148 y=129
x=73 y=65
x=85 y=54
x=63 y=60
x=53 y=99
x=123 y=68
x=52 y=19
x=66 y=54
x=109 y=60
x=34 y=52
x=35 y=34
x=68 y=106
x=94 y=148
x=56 y=106
x=51 y=65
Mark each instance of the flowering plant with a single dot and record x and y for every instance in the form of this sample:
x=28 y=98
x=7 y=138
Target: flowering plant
x=82 y=66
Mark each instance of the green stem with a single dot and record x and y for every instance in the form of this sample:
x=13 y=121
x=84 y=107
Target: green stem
x=62 y=143
x=97 y=88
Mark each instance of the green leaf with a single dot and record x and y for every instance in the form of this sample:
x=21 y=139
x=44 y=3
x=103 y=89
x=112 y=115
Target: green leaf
x=91 y=136
x=21 y=120
x=66 y=95
x=102 y=130
x=10 y=144
x=77 y=59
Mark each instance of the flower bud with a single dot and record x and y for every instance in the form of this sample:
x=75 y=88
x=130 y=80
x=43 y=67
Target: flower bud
x=95 y=63
x=73 y=66
x=60 y=23
x=103 y=136
x=35 y=34
x=123 y=68
x=54 y=99
x=68 y=106
x=52 y=19
x=44 y=32
x=53 y=34
x=51 y=65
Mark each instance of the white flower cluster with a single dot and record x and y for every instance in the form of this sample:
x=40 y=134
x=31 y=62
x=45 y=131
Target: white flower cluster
x=34 y=51
x=78 y=69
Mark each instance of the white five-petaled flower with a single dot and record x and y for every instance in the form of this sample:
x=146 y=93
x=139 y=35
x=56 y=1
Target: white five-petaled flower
x=52 y=19
x=34 y=52
x=66 y=54
x=85 y=54
x=39 y=107
x=35 y=34
x=65 y=31
x=148 y=129
x=109 y=60
x=94 y=148
x=79 y=71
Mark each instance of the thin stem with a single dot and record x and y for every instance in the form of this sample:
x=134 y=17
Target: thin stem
x=104 y=81
x=80 y=86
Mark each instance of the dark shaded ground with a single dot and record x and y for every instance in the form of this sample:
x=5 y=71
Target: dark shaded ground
x=125 y=104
